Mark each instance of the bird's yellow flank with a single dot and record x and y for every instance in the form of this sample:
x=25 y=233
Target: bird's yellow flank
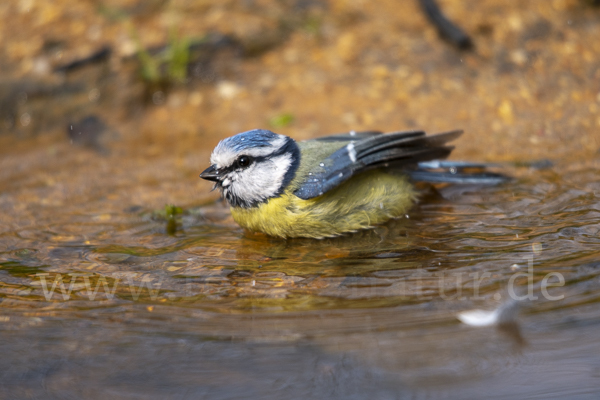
x=368 y=199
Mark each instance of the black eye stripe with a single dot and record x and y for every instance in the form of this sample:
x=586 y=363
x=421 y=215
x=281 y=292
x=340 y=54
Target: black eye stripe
x=253 y=160
x=258 y=159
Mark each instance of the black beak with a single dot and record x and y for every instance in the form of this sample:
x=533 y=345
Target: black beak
x=210 y=174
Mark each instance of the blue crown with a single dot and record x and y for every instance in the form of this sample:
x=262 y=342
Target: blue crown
x=250 y=139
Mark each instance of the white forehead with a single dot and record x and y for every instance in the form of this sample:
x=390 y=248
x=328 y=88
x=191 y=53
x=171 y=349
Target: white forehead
x=225 y=153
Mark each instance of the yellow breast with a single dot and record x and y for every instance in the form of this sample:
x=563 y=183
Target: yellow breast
x=366 y=200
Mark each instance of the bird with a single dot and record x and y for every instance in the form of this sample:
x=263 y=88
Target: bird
x=331 y=185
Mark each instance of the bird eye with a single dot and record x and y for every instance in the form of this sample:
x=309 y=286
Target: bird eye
x=243 y=161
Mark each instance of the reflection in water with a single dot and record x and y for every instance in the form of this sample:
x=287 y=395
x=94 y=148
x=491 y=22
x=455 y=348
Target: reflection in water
x=373 y=313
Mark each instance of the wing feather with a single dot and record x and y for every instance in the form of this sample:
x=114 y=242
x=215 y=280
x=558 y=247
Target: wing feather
x=397 y=150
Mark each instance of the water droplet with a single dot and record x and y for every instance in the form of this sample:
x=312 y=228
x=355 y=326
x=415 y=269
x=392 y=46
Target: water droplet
x=407 y=217
x=310 y=173
x=341 y=174
x=25 y=119
x=320 y=193
x=322 y=164
x=453 y=170
x=94 y=95
x=158 y=98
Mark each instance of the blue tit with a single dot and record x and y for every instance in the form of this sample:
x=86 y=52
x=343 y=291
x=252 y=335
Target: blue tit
x=328 y=186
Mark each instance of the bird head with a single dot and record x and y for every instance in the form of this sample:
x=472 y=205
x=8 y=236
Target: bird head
x=252 y=167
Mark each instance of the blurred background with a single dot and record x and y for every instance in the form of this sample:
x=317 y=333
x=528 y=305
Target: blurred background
x=109 y=111
x=168 y=79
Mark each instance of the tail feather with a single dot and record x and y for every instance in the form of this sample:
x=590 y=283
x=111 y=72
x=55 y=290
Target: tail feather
x=439 y=171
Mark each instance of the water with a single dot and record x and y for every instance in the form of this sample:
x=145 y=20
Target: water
x=196 y=308
x=103 y=295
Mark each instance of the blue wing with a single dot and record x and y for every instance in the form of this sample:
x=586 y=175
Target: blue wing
x=374 y=150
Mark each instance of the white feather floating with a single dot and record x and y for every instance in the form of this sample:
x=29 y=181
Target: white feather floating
x=507 y=312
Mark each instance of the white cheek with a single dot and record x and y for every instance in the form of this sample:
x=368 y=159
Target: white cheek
x=261 y=180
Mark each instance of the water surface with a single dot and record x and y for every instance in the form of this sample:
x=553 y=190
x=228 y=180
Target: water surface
x=102 y=295
x=202 y=309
